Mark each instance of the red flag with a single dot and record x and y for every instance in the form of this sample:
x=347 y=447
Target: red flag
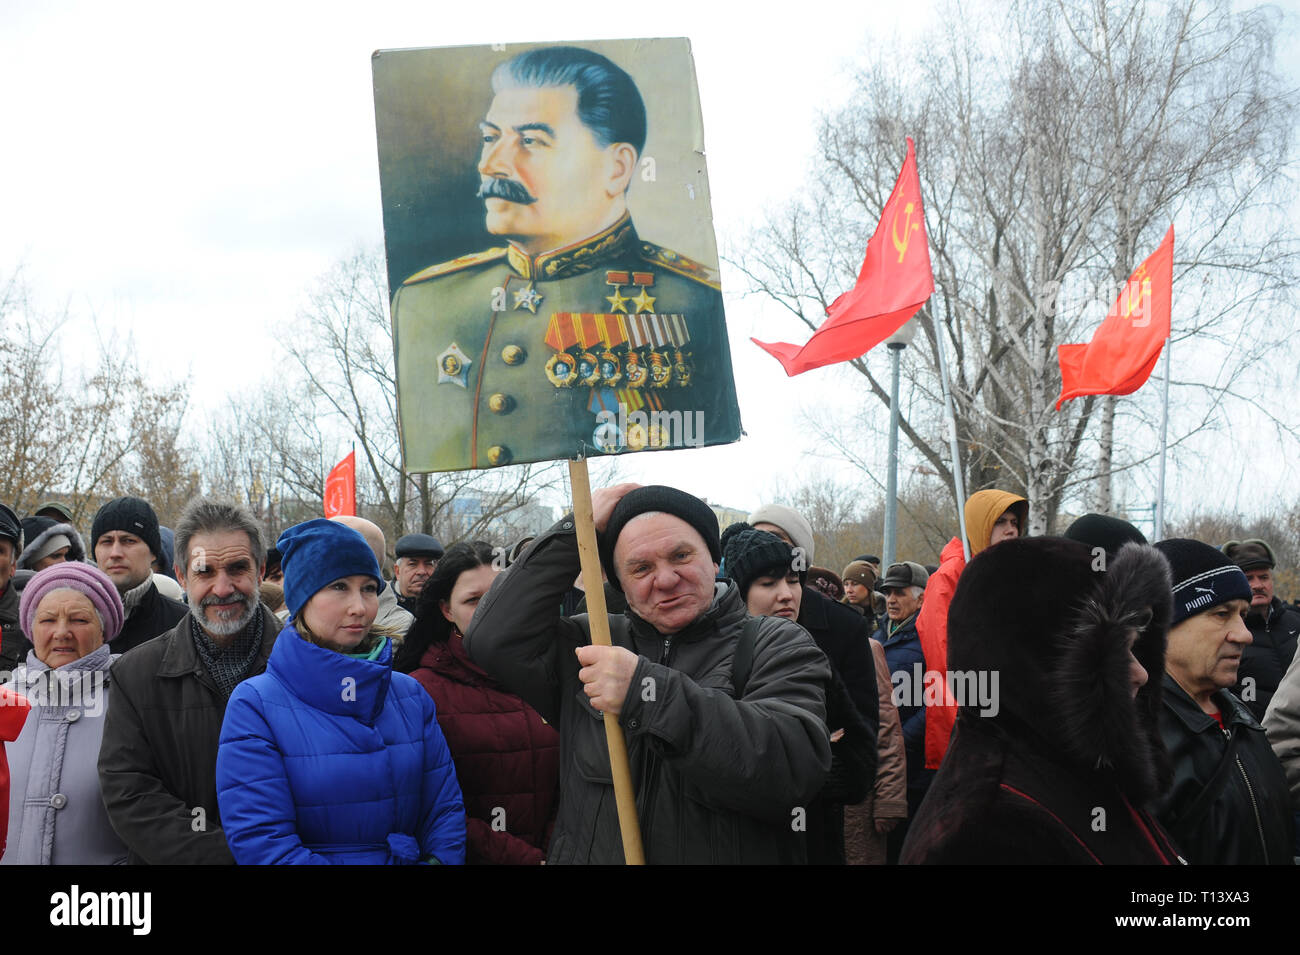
x=341 y=488
x=1126 y=346
x=894 y=282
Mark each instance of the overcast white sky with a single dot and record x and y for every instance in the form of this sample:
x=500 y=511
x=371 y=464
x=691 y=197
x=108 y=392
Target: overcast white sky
x=185 y=172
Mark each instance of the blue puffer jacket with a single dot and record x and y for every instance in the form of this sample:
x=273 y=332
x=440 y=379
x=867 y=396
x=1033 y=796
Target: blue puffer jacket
x=329 y=758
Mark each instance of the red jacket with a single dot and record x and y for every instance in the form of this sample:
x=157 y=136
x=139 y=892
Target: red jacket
x=507 y=757
x=13 y=713
x=932 y=628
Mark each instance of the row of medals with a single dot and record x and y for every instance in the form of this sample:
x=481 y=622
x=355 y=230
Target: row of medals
x=643 y=368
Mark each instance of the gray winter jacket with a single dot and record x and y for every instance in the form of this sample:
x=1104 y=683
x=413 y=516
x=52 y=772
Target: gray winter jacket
x=717 y=779
x=1282 y=724
x=56 y=814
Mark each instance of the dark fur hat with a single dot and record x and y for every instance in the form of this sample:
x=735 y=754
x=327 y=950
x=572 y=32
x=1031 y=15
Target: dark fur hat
x=1054 y=621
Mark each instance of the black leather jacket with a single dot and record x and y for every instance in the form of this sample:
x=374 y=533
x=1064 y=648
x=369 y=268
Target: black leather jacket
x=1247 y=819
x=1265 y=659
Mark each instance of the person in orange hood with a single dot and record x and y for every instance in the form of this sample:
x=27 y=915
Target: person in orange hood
x=991 y=516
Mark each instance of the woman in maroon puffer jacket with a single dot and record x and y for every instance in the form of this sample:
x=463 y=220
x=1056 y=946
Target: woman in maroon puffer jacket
x=507 y=757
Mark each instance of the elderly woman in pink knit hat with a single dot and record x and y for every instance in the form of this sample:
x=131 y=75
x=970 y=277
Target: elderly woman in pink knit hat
x=70 y=612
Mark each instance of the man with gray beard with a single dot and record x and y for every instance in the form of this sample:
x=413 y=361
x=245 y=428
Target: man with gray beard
x=157 y=764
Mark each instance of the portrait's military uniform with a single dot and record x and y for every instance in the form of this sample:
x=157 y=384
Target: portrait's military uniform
x=609 y=345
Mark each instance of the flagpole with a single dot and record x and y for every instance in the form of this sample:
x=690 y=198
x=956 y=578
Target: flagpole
x=1164 y=447
x=957 y=482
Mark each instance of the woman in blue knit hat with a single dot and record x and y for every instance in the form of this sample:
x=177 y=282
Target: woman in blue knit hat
x=330 y=756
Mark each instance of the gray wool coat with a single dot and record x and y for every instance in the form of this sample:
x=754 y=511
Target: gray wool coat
x=56 y=814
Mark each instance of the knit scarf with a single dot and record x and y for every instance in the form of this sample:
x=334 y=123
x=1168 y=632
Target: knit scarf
x=229 y=665
x=131 y=599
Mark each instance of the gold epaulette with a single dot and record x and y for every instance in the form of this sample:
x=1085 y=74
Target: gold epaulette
x=670 y=260
x=455 y=265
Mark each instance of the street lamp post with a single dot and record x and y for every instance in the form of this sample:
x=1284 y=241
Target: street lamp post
x=896 y=343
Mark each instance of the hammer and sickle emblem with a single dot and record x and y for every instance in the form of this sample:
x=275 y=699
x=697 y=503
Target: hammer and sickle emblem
x=1137 y=303
x=908 y=228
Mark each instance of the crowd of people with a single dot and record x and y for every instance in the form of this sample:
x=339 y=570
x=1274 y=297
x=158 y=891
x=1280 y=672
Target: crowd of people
x=195 y=696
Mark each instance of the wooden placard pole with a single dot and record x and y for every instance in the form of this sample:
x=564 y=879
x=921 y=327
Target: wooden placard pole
x=585 y=524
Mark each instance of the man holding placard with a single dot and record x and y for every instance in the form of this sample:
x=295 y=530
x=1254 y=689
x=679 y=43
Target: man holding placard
x=725 y=755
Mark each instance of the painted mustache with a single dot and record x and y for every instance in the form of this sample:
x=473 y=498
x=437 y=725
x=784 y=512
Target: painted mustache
x=506 y=189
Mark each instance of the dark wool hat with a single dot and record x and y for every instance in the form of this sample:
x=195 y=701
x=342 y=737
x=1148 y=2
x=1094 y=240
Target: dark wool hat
x=1203 y=577
x=751 y=554
x=1101 y=530
x=1250 y=555
x=10 y=529
x=1061 y=659
x=318 y=552
x=167 y=537
x=272 y=560
x=129 y=514
x=418 y=545
x=861 y=572
x=904 y=574
x=662 y=499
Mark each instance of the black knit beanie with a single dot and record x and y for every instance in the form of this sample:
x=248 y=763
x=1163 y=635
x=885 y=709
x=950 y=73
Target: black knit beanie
x=129 y=514
x=666 y=500
x=1101 y=530
x=1203 y=577
x=751 y=554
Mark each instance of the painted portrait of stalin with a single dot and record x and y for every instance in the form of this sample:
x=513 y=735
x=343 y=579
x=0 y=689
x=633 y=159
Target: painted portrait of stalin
x=572 y=287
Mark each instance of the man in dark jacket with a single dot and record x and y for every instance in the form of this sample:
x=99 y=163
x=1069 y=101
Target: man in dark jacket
x=903 y=587
x=126 y=541
x=157 y=764
x=717 y=778
x=13 y=645
x=1229 y=802
x=1273 y=625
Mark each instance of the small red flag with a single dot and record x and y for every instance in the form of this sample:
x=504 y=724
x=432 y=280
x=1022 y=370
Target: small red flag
x=895 y=281
x=341 y=488
x=1126 y=346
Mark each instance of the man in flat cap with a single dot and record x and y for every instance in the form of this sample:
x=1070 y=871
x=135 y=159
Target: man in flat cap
x=904 y=588
x=724 y=763
x=417 y=556
x=1273 y=624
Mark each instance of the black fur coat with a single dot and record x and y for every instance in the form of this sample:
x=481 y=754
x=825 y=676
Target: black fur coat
x=1063 y=760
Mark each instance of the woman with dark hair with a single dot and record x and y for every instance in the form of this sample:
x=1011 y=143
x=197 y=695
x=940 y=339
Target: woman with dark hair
x=771 y=580
x=507 y=757
x=329 y=756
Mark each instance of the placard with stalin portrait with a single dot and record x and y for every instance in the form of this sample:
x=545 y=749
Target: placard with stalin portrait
x=550 y=253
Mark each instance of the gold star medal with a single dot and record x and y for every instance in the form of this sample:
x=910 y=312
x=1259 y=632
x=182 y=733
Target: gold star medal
x=528 y=297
